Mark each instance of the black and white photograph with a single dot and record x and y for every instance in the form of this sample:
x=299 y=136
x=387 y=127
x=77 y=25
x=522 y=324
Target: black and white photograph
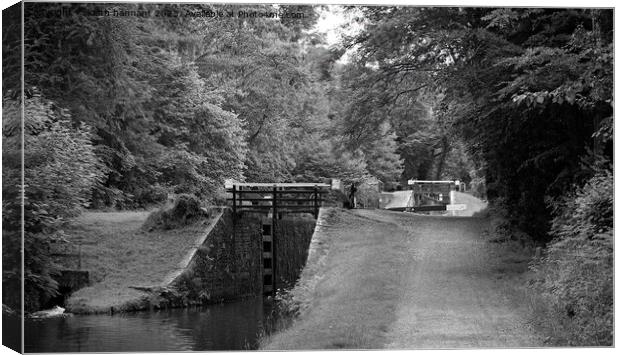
x=218 y=177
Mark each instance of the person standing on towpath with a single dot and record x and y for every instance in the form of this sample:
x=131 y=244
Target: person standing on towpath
x=352 y=195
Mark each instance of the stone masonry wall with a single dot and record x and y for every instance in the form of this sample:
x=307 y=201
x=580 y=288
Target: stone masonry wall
x=293 y=235
x=225 y=266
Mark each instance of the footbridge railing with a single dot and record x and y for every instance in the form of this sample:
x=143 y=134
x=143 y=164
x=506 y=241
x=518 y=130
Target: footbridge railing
x=433 y=195
x=277 y=197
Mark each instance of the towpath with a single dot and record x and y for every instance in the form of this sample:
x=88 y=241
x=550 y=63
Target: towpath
x=403 y=281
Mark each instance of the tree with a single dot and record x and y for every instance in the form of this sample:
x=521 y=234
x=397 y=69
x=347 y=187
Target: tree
x=527 y=91
x=124 y=74
x=325 y=160
x=260 y=71
x=382 y=159
x=60 y=169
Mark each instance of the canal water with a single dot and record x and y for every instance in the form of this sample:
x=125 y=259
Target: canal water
x=227 y=326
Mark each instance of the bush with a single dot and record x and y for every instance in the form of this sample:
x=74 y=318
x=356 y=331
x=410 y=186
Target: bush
x=368 y=194
x=150 y=195
x=477 y=187
x=60 y=170
x=185 y=210
x=335 y=198
x=576 y=274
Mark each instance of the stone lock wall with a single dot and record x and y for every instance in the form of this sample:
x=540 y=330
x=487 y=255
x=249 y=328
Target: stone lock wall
x=293 y=236
x=227 y=262
x=226 y=265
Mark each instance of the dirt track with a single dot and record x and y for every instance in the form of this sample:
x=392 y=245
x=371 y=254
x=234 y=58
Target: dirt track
x=400 y=281
x=449 y=292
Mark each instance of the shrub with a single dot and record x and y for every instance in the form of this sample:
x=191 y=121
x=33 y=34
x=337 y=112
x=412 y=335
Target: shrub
x=368 y=194
x=336 y=198
x=478 y=187
x=576 y=274
x=150 y=195
x=60 y=169
x=185 y=210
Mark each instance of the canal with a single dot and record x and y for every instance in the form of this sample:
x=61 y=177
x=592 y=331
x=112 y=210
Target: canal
x=227 y=326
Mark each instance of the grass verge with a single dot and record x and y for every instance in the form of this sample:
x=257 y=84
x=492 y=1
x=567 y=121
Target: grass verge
x=119 y=253
x=352 y=297
x=512 y=260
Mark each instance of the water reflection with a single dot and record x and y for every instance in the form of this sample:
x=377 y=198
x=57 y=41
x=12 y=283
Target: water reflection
x=230 y=326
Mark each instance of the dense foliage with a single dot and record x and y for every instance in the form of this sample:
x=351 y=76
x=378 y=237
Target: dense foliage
x=157 y=126
x=576 y=273
x=185 y=210
x=60 y=170
x=525 y=93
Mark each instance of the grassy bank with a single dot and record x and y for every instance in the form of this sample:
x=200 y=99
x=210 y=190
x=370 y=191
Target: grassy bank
x=119 y=253
x=556 y=325
x=512 y=263
x=345 y=298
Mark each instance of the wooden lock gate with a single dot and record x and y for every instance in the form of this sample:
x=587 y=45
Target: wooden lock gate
x=272 y=201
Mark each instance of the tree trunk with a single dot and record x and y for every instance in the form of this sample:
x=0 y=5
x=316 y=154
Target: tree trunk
x=442 y=157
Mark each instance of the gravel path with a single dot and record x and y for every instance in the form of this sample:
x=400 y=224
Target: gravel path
x=450 y=296
x=403 y=281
